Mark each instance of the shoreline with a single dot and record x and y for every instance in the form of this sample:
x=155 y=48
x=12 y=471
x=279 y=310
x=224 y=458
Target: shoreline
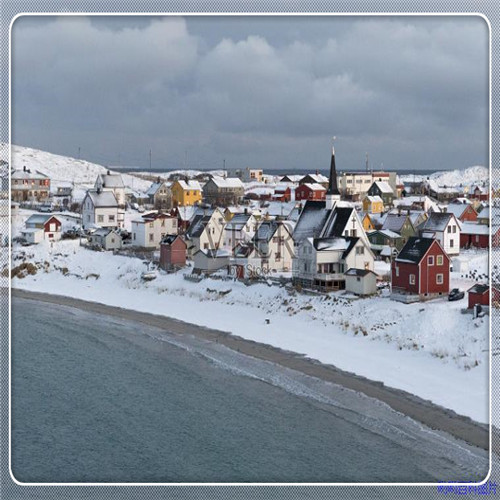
x=425 y=412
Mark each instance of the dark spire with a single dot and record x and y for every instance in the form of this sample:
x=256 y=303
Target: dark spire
x=332 y=183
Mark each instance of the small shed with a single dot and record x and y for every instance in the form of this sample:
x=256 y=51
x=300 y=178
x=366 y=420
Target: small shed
x=209 y=261
x=106 y=238
x=33 y=235
x=479 y=294
x=361 y=281
x=173 y=250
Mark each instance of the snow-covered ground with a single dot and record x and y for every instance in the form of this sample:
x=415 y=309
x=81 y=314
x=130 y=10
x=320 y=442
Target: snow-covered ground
x=432 y=350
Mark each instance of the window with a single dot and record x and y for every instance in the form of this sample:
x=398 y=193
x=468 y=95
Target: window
x=449 y=229
x=111 y=218
x=439 y=260
x=151 y=224
x=100 y=218
x=163 y=223
x=454 y=229
x=135 y=236
x=52 y=227
x=439 y=279
x=360 y=250
x=430 y=260
x=451 y=243
x=412 y=279
x=477 y=238
x=397 y=271
x=358 y=279
x=151 y=237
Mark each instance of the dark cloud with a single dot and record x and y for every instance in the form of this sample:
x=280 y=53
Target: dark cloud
x=270 y=92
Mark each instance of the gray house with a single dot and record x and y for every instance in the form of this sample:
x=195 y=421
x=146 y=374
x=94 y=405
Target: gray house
x=106 y=238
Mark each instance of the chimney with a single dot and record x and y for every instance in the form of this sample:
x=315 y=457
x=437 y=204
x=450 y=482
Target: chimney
x=109 y=172
x=24 y=168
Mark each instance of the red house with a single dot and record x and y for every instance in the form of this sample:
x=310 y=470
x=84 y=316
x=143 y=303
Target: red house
x=422 y=268
x=462 y=211
x=479 y=294
x=173 y=251
x=282 y=193
x=310 y=192
x=479 y=193
x=474 y=235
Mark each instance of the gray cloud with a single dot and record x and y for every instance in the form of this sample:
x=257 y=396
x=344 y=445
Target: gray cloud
x=255 y=91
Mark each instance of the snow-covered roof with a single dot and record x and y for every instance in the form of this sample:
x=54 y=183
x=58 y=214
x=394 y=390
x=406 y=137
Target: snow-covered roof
x=315 y=187
x=484 y=213
x=437 y=221
x=389 y=233
x=415 y=249
x=395 y=222
x=328 y=244
x=457 y=209
x=317 y=178
x=358 y=272
x=474 y=228
x=154 y=188
x=384 y=187
x=28 y=174
x=102 y=198
x=190 y=185
x=110 y=180
x=40 y=218
x=31 y=230
x=374 y=199
x=229 y=182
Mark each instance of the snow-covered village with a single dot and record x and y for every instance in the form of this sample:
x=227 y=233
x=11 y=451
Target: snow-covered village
x=379 y=274
x=250 y=250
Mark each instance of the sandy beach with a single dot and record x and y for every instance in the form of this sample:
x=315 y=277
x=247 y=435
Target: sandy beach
x=431 y=415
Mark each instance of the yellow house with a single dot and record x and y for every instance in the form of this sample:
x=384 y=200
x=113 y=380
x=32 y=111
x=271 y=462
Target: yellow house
x=367 y=223
x=373 y=205
x=186 y=193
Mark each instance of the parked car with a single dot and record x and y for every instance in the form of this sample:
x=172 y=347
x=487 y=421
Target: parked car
x=456 y=294
x=45 y=208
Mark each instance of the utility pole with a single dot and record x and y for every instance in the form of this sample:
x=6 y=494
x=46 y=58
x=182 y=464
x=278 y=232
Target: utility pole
x=367 y=162
x=150 y=169
x=79 y=152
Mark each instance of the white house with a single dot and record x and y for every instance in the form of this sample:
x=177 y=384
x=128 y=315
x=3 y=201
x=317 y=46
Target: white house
x=240 y=229
x=114 y=183
x=151 y=228
x=445 y=228
x=361 y=281
x=322 y=262
x=208 y=260
x=42 y=226
x=206 y=231
x=100 y=208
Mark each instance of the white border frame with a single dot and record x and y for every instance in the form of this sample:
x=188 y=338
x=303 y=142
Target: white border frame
x=246 y=14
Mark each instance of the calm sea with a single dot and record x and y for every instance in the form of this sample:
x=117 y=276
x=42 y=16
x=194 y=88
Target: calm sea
x=96 y=399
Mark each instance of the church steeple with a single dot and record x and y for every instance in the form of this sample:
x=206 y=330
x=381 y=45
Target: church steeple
x=333 y=193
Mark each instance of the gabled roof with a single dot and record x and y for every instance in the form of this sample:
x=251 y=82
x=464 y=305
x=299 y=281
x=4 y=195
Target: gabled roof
x=238 y=222
x=457 y=209
x=311 y=220
x=111 y=180
x=317 y=178
x=437 y=221
x=40 y=218
x=102 y=199
x=266 y=231
x=169 y=239
x=344 y=244
x=384 y=187
x=415 y=249
x=189 y=185
x=154 y=188
x=395 y=222
x=374 y=199
x=229 y=182
x=386 y=232
x=358 y=272
x=478 y=288
x=198 y=225
x=28 y=174
x=474 y=228
x=337 y=221
x=315 y=187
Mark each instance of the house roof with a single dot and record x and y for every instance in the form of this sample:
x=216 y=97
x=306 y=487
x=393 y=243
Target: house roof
x=358 y=272
x=266 y=230
x=154 y=188
x=214 y=254
x=112 y=180
x=28 y=174
x=40 y=218
x=317 y=178
x=337 y=221
x=311 y=220
x=474 y=228
x=344 y=244
x=238 y=222
x=457 y=209
x=478 y=288
x=169 y=239
x=387 y=233
x=102 y=198
x=374 y=199
x=384 y=187
x=395 y=222
x=229 y=182
x=415 y=249
x=243 y=250
x=315 y=187
x=437 y=221
x=102 y=231
x=32 y=230
x=189 y=185
x=197 y=225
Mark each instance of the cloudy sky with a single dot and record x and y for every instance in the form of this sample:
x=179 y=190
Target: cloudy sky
x=265 y=92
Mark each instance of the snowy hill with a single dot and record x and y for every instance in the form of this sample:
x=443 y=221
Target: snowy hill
x=64 y=171
x=452 y=178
